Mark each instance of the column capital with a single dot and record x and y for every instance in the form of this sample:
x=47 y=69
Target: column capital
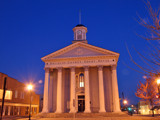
x=72 y=68
x=100 y=68
x=59 y=69
x=113 y=67
x=51 y=70
x=86 y=68
x=46 y=69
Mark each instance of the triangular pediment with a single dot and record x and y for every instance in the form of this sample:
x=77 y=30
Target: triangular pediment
x=79 y=52
x=79 y=49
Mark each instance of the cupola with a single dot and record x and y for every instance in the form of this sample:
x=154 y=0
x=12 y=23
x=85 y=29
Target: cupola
x=80 y=33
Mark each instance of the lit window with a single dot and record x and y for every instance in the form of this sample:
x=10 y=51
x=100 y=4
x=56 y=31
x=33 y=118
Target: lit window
x=8 y=95
x=81 y=80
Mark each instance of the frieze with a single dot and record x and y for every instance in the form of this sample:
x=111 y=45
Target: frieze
x=81 y=62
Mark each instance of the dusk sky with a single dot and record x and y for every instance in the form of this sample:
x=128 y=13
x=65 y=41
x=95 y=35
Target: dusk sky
x=31 y=29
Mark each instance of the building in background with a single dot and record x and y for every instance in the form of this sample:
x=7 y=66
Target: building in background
x=81 y=78
x=17 y=98
x=145 y=108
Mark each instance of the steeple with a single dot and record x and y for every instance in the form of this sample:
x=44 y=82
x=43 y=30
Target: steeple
x=79 y=32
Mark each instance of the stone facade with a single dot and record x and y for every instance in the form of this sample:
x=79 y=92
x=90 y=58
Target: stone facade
x=81 y=78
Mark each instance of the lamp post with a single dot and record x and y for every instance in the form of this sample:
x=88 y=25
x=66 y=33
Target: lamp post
x=158 y=83
x=125 y=102
x=30 y=88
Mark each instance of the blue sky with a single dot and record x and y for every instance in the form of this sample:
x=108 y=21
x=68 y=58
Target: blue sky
x=31 y=29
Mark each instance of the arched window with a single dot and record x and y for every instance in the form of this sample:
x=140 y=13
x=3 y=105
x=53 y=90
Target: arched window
x=81 y=80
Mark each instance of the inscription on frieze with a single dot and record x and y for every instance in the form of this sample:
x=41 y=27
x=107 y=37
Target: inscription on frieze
x=80 y=62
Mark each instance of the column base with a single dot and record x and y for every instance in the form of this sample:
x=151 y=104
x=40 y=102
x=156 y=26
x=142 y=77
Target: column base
x=87 y=111
x=45 y=111
x=102 y=111
x=58 y=112
x=72 y=111
x=117 y=111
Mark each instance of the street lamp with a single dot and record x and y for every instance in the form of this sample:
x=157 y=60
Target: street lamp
x=125 y=102
x=30 y=88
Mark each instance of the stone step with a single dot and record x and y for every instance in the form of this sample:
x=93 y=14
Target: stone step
x=80 y=115
x=102 y=118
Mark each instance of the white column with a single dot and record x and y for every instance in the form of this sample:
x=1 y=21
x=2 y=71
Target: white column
x=116 y=102
x=87 y=91
x=45 y=94
x=9 y=110
x=59 y=91
x=51 y=91
x=72 y=91
x=4 y=109
x=101 y=90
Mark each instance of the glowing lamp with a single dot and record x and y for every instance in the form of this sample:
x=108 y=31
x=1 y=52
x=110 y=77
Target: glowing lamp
x=157 y=96
x=158 y=81
x=30 y=87
x=125 y=101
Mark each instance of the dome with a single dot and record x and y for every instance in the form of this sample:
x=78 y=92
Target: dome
x=79 y=25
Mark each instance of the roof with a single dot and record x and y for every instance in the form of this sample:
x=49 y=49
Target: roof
x=76 y=45
x=79 y=25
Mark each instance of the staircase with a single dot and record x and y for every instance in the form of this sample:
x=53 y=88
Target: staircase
x=80 y=115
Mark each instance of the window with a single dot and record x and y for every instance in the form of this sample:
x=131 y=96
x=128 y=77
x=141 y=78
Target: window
x=79 y=37
x=31 y=98
x=26 y=110
x=35 y=110
x=8 y=95
x=16 y=94
x=22 y=95
x=81 y=80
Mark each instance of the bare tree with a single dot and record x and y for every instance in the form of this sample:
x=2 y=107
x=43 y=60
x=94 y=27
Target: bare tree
x=151 y=61
x=152 y=22
x=152 y=58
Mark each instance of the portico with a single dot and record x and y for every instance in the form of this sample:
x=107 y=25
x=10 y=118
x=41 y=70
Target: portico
x=81 y=78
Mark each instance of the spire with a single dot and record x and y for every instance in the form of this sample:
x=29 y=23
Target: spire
x=79 y=16
x=80 y=31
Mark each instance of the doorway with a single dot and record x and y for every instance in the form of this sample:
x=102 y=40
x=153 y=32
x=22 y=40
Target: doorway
x=81 y=103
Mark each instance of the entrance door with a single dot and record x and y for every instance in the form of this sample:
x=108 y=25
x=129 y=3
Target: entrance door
x=81 y=104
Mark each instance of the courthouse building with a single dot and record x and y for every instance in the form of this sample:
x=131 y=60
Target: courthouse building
x=81 y=78
x=17 y=98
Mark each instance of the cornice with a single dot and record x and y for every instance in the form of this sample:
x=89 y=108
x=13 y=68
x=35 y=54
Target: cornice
x=82 y=58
